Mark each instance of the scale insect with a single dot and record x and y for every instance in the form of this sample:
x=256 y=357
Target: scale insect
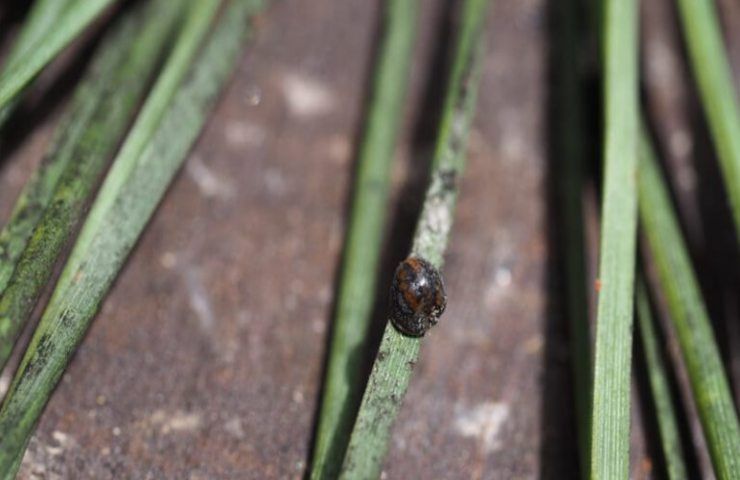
x=417 y=297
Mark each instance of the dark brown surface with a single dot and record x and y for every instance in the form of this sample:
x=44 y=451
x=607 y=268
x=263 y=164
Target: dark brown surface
x=206 y=359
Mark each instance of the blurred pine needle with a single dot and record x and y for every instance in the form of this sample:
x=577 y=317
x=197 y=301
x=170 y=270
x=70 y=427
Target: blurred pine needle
x=690 y=318
x=660 y=391
x=42 y=17
x=717 y=91
x=41 y=44
x=55 y=199
x=128 y=198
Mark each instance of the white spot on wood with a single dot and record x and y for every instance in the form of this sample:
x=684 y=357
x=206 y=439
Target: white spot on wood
x=243 y=134
x=209 y=183
x=253 y=95
x=199 y=299
x=168 y=260
x=62 y=441
x=234 y=427
x=503 y=277
x=200 y=302
x=60 y=437
x=306 y=97
x=497 y=286
x=178 y=421
x=338 y=149
x=484 y=422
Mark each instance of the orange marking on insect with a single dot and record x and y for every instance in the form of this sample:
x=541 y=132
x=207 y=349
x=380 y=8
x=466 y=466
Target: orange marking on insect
x=597 y=285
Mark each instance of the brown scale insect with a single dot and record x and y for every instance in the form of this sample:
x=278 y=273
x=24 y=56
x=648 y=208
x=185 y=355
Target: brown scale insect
x=417 y=297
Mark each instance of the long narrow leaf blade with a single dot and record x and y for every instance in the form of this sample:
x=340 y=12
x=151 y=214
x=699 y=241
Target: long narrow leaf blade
x=91 y=270
x=610 y=424
x=344 y=380
x=123 y=72
x=43 y=16
x=659 y=388
x=190 y=38
x=690 y=318
x=714 y=79
x=40 y=52
x=398 y=353
x=38 y=190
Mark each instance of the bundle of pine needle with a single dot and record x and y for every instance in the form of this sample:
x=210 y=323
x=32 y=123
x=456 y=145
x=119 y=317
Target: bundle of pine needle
x=206 y=38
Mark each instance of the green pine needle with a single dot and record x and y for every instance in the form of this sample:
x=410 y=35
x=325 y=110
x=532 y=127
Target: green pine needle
x=111 y=234
x=43 y=16
x=690 y=318
x=717 y=91
x=102 y=110
x=28 y=62
x=398 y=353
x=199 y=18
x=610 y=424
x=344 y=381
x=670 y=439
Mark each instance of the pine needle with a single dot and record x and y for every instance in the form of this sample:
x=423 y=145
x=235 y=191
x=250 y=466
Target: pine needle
x=38 y=53
x=398 y=353
x=344 y=380
x=610 y=422
x=690 y=318
x=62 y=188
x=717 y=91
x=670 y=439
x=111 y=234
x=43 y=16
